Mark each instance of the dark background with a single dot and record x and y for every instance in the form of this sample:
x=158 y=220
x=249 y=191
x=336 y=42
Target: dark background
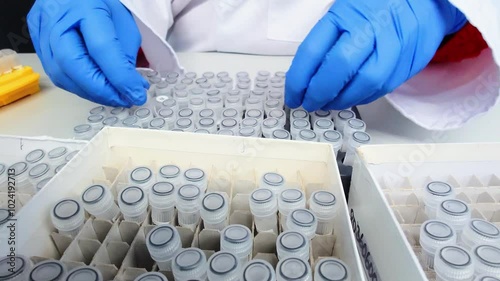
x=14 y=32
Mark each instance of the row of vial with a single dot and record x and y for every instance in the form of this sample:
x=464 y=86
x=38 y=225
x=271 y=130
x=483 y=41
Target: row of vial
x=454 y=245
x=9 y=61
x=189 y=264
x=36 y=170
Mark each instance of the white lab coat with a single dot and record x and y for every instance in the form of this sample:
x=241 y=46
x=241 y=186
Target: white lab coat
x=440 y=97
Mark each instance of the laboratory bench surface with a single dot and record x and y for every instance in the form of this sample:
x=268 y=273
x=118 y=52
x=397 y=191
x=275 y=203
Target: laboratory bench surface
x=54 y=112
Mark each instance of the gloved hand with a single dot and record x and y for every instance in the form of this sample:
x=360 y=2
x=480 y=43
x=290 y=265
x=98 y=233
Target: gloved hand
x=89 y=47
x=361 y=50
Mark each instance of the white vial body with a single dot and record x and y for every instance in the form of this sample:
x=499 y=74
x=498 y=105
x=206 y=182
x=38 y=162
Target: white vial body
x=197 y=177
x=304 y=221
x=163 y=243
x=142 y=177
x=478 y=232
x=264 y=205
x=435 y=193
x=333 y=138
x=274 y=182
x=323 y=204
x=292 y=244
x=98 y=201
x=486 y=260
x=289 y=200
x=298 y=125
x=224 y=266
x=434 y=234
x=68 y=217
x=293 y=269
x=327 y=268
x=340 y=119
x=133 y=203
x=454 y=212
x=258 y=270
x=269 y=125
x=351 y=126
x=358 y=139
x=190 y=264
x=162 y=201
x=188 y=205
x=237 y=239
x=214 y=210
x=453 y=263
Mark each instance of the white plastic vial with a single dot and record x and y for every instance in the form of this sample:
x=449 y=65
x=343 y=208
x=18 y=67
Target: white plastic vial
x=259 y=94
x=162 y=201
x=307 y=135
x=190 y=264
x=248 y=132
x=454 y=212
x=453 y=263
x=230 y=124
x=36 y=174
x=214 y=210
x=170 y=103
x=289 y=200
x=298 y=113
x=201 y=131
x=34 y=156
x=434 y=234
x=158 y=124
x=292 y=244
x=215 y=93
x=120 y=112
x=281 y=134
x=256 y=114
x=324 y=206
x=331 y=269
x=486 y=260
x=168 y=115
x=196 y=176
x=151 y=276
x=144 y=115
x=19 y=272
x=254 y=103
x=358 y=139
x=111 y=121
x=99 y=202
x=52 y=270
x=171 y=174
x=486 y=278
x=206 y=113
x=217 y=105
x=190 y=75
x=293 y=269
x=304 y=221
x=231 y=112
x=322 y=125
x=185 y=113
x=208 y=124
x=225 y=132
x=141 y=177
x=280 y=115
x=163 y=243
x=83 y=132
x=188 y=205
x=298 y=125
x=252 y=123
x=224 y=266
x=434 y=193
x=185 y=124
x=341 y=119
x=21 y=176
x=182 y=98
x=86 y=273
x=258 y=270
x=351 y=126
x=264 y=205
x=237 y=239
x=196 y=104
x=133 y=203
x=96 y=122
x=57 y=156
x=334 y=138
x=162 y=89
x=272 y=104
x=41 y=184
x=273 y=181
x=98 y=110
x=68 y=217
x=478 y=232
x=269 y=125
x=235 y=103
x=320 y=114
x=131 y=122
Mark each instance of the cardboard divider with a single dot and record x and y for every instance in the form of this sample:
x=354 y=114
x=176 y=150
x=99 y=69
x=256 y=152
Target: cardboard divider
x=81 y=250
x=137 y=260
x=95 y=229
x=264 y=242
x=322 y=246
x=271 y=258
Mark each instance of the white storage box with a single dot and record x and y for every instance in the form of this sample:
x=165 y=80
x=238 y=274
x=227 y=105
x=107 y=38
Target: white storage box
x=386 y=204
x=233 y=165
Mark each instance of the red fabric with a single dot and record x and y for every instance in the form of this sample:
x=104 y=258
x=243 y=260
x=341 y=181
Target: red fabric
x=466 y=43
x=141 y=59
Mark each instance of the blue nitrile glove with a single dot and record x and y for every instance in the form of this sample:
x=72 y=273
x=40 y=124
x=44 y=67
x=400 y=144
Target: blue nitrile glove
x=362 y=49
x=89 y=47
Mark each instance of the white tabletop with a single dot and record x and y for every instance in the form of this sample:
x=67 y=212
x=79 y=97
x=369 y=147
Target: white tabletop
x=54 y=112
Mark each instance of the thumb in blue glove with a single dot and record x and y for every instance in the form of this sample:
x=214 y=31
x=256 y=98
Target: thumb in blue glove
x=361 y=50
x=89 y=47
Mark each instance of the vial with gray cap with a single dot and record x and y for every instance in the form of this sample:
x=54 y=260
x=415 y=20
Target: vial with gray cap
x=259 y=94
x=52 y=270
x=41 y=184
x=304 y=221
x=434 y=234
x=236 y=103
x=196 y=104
x=237 y=239
x=157 y=104
x=158 y=124
x=59 y=168
x=244 y=89
x=484 y=277
x=96 y=122
x=281 y=134
x=264 y=205
x=322 y=125
x=307 y=135
x=323 y=204
x=163 y=89
x=478 y=232
x=151 y=276
x=163 y=243
x=185 y=124
x=57 y=156
x=434 y=193
x=273 y=181
x=225 y=132
x=68 y=217
x=298 y=113
x=206 y=113
x=144 y=116
x=224 y=266
x=191 y=75
x=83 y=132
x=99 y=202
x=141 y=177
x=131 y=122
x=340 y=119
x=331 y=269
x=85 y=273
x=320 y=114
x=168 y=115
x=486 y=259
x=276 y=95
x=258 y=270
x=133 y=203
x=162 y=201
x=98 y=110
x=171 y=174
x=202 y=131
x=189 y=264
x=170 y=103
x=21 y=175
x=453 y=263
x=272 y=104
x=252 y=123
x=188 y=205
x=248 y=132
x=71 y=155
x=254 y=103
x=35 y=156
x=269 y=125
x=298 y=125
x=208 y=124
x=289 y=200
x=280 y=115
x=217 y=105
x=454 y=212
x=182 y=98
x=36 y=174
x=120 y=112
x=351 y=126
x=214 y=210
x=293 y=268
x=196 y=176
x=230 y=124
x=358 y=139
x=292 y=243
x=111 y=121
x=256 y=114
x=19 y=272
x=230 y=112
x=333 y=138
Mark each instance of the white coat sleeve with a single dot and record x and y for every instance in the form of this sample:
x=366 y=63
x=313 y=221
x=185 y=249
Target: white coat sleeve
x=154 y=18
x=446 y=96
